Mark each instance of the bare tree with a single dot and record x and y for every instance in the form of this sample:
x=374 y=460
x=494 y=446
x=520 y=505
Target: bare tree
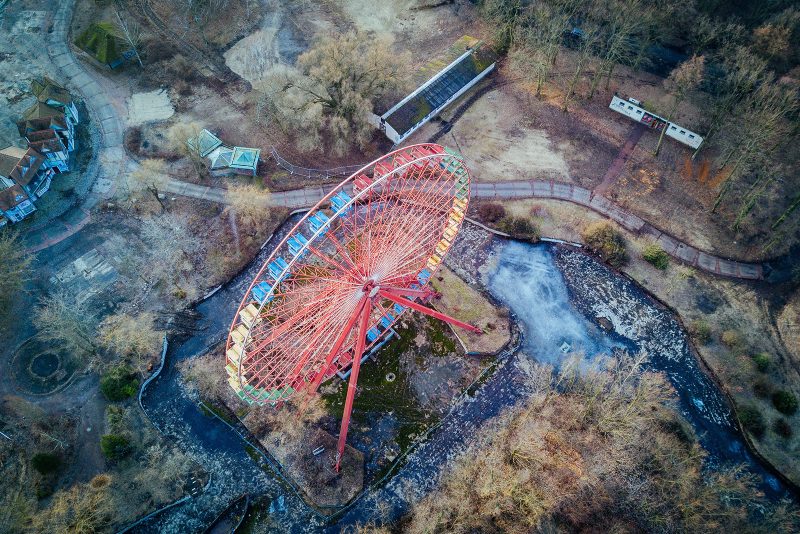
x=538 y=44
x=150 y=175
x=170 y=244
x=587 y=41
x=183 y=137
x=66 y=322
x=622 y=22
x=131 y=33
x=744 y=72
x=762 y=124
x=249 y=203
x=132 y=336
x=81 y=509
x=14 y=271
x=334 y=88
x=684 y=78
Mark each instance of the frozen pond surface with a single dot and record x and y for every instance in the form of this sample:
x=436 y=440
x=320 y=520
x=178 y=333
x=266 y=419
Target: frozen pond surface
x=559 y=296
x=556 y=294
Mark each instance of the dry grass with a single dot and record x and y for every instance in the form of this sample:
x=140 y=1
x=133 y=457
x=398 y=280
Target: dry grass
x=468 y=304
x=723 y=305
x=592 y=452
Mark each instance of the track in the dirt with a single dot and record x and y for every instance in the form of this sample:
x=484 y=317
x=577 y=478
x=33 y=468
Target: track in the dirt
x=202 y=61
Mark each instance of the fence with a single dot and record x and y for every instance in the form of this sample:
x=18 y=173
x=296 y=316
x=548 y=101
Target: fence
x=322 y=174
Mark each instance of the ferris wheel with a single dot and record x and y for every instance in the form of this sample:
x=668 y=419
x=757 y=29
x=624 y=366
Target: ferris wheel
x=336 y=284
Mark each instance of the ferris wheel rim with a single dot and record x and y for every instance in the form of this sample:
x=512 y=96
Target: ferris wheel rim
x=319 y=234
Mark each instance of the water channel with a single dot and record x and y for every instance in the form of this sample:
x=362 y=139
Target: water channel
x=556 y=294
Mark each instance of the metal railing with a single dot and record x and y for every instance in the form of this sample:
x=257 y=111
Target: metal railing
x=323 y=174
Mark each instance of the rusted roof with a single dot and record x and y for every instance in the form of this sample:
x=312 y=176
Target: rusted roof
x=11 y=197
x=35 y=125
x=47 y=89
x=41 y=110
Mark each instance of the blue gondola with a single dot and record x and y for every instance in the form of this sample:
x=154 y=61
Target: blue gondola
x=317 y=221
x=262 y=291
x=339 y=202
x=423 y=276
x=296 y=243
x=387 y=319
x=276 y=268
x=372 y=334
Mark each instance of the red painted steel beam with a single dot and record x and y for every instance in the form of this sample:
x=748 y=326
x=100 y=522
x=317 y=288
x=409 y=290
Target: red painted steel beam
x=399 y=299
x=337 y=346
x=351 y=383
x=408 y=292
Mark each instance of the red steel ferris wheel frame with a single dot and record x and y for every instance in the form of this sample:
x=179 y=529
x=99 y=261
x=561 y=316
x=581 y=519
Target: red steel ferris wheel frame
x=350 y=281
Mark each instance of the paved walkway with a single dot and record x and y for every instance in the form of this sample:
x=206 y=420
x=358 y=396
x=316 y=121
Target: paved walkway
x=110 y=161
x=613 y=172
x=109 y=155
x=304 y=198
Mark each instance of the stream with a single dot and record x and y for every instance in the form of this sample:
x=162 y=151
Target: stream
x=556 y=295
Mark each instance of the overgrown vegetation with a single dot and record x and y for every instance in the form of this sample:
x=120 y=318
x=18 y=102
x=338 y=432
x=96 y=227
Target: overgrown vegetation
x=599 y=450
x=115 y=446
x=519 y=228
x=741 y=70
x=752 y=419
x=656 y=256
x=785 y=402
x=603 y=238
x=327 y=100
x=13 y=272
x=119 y=383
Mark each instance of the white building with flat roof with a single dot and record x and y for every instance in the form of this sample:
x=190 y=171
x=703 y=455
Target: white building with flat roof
x=632 y=109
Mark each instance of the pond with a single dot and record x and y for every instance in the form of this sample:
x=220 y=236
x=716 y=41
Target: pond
x=565 y=302
x=45 y=365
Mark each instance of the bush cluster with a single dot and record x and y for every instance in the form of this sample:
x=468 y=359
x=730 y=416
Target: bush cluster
x=45 y=462
x=762 y=362
x=603 y=238
x=119 y=383
x=520 y=228
x=491 y=212
x=114 y=446
x=783 y=428
x=656 y=256
x=731 y=339
x=701 y=331
x=785 y=402
x=761 y=389
x=752 y=420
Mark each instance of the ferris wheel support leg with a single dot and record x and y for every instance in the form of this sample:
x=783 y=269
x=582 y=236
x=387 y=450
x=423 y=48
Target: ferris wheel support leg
x=337 y=346
x=351 y=383
x=399 y=299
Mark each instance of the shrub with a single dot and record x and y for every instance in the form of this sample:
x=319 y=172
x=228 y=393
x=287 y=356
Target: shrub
x=783 y=428
x=114 y=446
x=119 y=383
x=762 y=362
x=45 y=462
x=655 y=255
x=752 y=420
x=784 y=402
x=607 y=241
x=520 y=228
x=731 y=339
x=701 y=331
x=491 y=212
x=761 y=389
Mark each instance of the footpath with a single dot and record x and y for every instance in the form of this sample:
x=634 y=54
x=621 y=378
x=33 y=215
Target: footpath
x=110 y=161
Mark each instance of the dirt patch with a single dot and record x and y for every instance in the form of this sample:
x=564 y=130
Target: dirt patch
x=499 y=144
x=149 y=107
x=468 y=304
x=315 y=473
